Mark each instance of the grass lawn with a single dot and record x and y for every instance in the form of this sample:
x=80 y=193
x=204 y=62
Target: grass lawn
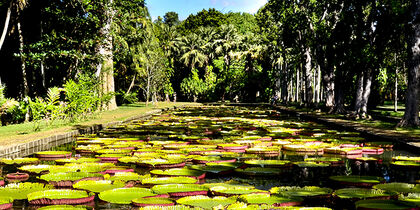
x=25 y=132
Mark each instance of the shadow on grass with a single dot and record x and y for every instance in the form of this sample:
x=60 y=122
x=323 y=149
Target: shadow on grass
x=134 y=105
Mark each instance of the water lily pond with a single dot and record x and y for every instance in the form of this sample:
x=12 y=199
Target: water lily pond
x=216 y=158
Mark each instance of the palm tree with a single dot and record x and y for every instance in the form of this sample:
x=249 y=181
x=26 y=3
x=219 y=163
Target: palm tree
x=192 y=51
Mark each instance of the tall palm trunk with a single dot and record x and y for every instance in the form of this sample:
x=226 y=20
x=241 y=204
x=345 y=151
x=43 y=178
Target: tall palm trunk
x=6 y=24
x=105 y=69
x=22 y=58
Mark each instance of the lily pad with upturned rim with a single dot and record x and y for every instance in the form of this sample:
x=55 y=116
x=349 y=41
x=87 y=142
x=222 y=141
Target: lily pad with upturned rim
x=125 y=195
x=169 y=180
x=180 y=172
x=268 y=163
x=257 y=171
x=54 y=197
x=307 y=191
x=19 y=191
x=270 y=200
x=62 y=207
x=98 y=186
x=178 y=190
x=354 y=180
x=206 y=202
x=19 y=161
x=142 y=202
x=360 y=193
x=398 y=187
x=383 y=204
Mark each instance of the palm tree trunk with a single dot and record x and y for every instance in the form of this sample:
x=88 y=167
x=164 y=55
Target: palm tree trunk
x=6 y=24
x=22 y=58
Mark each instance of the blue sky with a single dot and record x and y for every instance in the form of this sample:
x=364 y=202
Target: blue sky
x=187 y=7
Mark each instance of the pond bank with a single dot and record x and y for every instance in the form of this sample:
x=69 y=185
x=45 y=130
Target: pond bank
x=405 y=140
x=20 y=145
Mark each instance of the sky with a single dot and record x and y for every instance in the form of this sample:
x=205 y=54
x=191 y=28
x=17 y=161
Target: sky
x=186 y=7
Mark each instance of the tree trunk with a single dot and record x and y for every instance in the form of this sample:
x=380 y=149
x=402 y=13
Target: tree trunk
x=318 y=86
x=22 y=58
x=396 y=91
x=105 y=69
x=366 y=93
x=411 y=114
x=308 y=77
x=359 y=92
x=6 y=24
x=147 y=88
x=339 y=93
x=297 y=86
x=329 y=84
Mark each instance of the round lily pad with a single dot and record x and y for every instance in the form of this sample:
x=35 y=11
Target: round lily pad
x=19 y=191
x=398 y=187
x=180 y=172
x=270 y=200
x=142 y=202
x=257 y=171
x=234 y=190
x=383 y=204
x=268 y=163
x=363 y=181
x=98 y=186
x=125 y=195
x=179 y=190
x=206 y=202
x=307 y=191
x=169 y=180
x=59 y=197
x=360 y=193
x=19 y=161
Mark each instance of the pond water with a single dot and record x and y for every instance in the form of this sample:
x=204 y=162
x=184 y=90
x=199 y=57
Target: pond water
x=246 y=153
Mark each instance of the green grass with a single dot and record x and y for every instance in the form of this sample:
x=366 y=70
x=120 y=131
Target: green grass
x=20 y=133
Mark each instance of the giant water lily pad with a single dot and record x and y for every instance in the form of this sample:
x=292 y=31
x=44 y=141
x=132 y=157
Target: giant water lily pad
x=62 y=207
x=98 y=186
x=19 y=161
x=307 y=191
x=178 y=190
x=71 y=176
x=398 y=187
x=360 y=193
x=179 y=172
x=125 y=195
x=268 y=163
x=77 y=160
x=19 y=191
x=206 y=202
x=269 y=200
x=54 y=197
x=383 y=204
x=413 y=198
x=127 y=176
x=169 y=180
x=142 y=202
x=234 y=190
x=358 y=180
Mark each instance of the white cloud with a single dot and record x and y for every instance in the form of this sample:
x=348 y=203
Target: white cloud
x=250 y=6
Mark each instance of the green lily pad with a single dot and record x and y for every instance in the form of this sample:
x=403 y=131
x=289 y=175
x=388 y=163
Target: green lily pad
x=358 y=179
x=19 y=191
x=79 y=160
x=206 y=202
x=169 y=180
x=360 y=193
x=127 y=176
x=269 y=200
x=153 y=201
x=178 y=172
x=19 y=161
x=175 y=188
x=98 y=186
x=307 y=191
x=234 y=190
x=398 y=187
x=64 y=207
x=125 y=195
x=71 y=176
x=383 y=204
x=268 y=163
x=413 y=198
x=307 y=164
x=58 y=194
